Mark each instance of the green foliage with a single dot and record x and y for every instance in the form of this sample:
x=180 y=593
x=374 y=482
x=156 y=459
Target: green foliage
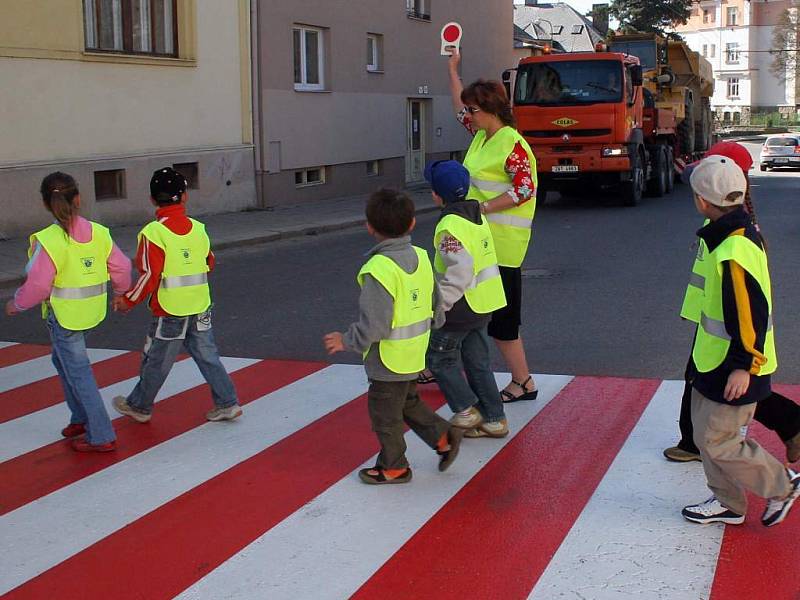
x=784 y=44
x=650 y=16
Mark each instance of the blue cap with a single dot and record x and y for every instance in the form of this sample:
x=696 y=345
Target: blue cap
x=449 y=179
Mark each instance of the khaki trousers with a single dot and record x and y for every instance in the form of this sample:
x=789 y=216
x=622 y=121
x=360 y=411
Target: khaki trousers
x=733 y=463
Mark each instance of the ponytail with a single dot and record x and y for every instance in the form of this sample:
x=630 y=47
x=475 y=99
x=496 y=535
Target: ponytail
x=751 y=211
x=58 y=193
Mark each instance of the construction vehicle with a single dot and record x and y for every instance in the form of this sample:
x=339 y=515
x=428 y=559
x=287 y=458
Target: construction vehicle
x=630 y=115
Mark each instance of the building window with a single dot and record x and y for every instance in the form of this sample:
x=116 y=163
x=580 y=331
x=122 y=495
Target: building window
x=309 y=58
x=374 y=52
x=726 y=117
x=732 y=16
x=732 y=52
x=456 y=155
x=737 y=118
x=713 y=51
x=733 y=87
x=315 y=176
x=705 y=49
x=131 y=26
x=190 y=174
x=373 y=168
x=109 y=185
x=705 y=16
x=419 y=9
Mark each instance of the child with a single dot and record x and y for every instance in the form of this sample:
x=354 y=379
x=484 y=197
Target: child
x=734 y=355
x=69 y=264
x=469 y=290
x=776 y=412
x=174 y=256
x=392 y=332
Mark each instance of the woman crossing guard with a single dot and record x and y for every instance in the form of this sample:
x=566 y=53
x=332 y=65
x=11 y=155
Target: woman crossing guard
x=503 y=180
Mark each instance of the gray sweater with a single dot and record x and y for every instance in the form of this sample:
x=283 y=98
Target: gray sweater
x=376 y=308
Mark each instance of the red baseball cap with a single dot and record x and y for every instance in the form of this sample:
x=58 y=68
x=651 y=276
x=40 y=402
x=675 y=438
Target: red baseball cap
x=733 y=150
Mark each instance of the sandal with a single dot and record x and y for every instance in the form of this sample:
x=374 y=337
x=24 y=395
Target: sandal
x=425 y=377
x=376 y=476
x=508 y=397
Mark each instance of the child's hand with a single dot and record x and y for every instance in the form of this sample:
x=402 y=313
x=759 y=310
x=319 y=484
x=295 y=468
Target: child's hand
x=738 y=382
x=119 y=305
x=11 y=308
x=333 y=342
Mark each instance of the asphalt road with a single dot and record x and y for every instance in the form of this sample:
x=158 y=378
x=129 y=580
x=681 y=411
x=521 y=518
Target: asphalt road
x=602 y=287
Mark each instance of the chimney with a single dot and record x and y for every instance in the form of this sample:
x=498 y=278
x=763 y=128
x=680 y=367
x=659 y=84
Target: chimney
x=600 y=18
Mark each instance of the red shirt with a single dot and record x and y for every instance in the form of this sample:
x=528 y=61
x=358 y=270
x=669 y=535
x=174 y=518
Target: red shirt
x=150 y=259
x=518 y=166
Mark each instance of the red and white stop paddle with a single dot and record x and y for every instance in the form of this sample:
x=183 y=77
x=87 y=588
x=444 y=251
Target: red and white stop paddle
x=451 y=36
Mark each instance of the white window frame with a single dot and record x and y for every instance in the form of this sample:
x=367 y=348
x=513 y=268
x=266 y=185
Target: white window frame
x=304 y=182
x=705 y=15
x=732 y=88
x=303 y=85
x=373 y=168
x=732 y=14
x=418 y=7
x=732 y=52
x=713 y=51
x=375 y=64
x=705 y=50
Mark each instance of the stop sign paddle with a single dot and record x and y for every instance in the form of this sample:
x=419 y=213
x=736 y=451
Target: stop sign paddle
x=451 y=36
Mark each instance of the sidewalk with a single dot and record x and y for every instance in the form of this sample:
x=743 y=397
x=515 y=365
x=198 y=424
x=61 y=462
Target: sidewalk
x=229 y=230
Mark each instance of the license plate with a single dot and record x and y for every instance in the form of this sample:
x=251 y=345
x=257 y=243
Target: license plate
x=565 y=169
x=781 y=160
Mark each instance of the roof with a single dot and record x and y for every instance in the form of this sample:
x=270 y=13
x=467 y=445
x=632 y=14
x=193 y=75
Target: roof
x=564 y=19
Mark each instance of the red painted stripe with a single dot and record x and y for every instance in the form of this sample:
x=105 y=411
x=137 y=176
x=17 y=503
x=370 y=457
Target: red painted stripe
x=233 y=509
x=11 y=355
x=756 y=561
x=497 y=535
x=49 y=468
x=26 y=399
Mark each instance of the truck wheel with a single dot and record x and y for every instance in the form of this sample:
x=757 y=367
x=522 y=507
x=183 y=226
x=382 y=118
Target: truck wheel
x=686 y=127
x=657 y=186
x=632 y=189
x=670 y=169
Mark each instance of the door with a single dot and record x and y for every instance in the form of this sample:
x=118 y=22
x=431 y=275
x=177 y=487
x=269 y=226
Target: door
x=415 y=155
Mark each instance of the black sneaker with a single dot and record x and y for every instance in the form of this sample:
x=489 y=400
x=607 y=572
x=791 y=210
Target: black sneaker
x=711 y=511
x=776 y=510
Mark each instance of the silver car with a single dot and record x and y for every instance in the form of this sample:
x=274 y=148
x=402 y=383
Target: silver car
x=780 y=151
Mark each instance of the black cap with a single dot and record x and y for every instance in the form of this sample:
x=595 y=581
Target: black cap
x=169 y=182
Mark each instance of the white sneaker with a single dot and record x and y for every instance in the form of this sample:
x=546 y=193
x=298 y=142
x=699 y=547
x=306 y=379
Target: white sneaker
x=711 y=511
x=471 y=420
x=776 y=510
x=225 y=414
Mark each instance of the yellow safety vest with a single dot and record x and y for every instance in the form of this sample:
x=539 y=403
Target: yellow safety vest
x=712 y=341
x=485 y=293
x=693 y=298
x=404 y=350
x=486 y=162
x=79 y=296
x=184 y=287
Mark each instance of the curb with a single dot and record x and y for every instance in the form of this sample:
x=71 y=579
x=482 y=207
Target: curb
x=264 y=239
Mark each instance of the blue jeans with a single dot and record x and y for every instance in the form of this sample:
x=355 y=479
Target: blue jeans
x=80 y=388
x=167 y=336
x=447 y=352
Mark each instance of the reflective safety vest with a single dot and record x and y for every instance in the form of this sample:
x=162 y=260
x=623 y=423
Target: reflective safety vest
x=712 y=341
x=485 y=293
x=403 y=351
x=693 y=299
x=79 y=297
x=184 y=287
x=486 y=161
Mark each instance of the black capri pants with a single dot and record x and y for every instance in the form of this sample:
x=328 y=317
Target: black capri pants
x=505 y=322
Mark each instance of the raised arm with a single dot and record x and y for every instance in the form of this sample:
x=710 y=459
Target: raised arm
x=456 y=87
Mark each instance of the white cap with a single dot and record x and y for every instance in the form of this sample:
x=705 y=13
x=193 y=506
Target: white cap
x=719 y=180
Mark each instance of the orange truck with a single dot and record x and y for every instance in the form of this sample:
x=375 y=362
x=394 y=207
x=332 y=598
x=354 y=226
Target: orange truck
x=629 y=115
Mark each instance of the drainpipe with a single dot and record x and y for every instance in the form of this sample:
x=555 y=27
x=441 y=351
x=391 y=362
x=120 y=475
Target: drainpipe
x=258 y=139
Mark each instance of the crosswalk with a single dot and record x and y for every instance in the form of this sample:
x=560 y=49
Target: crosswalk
x=576 y=502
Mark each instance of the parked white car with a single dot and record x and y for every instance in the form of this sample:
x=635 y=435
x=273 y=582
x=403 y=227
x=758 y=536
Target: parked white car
x=780 y=151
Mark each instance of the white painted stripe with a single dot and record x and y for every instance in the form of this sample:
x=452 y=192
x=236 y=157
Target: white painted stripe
x=331 y=546
x=7 y=344
x=630 y=540
x=43 y=427
x=33 y=370
x=43 y=533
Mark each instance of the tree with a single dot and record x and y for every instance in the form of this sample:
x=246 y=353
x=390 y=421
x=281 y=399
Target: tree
x=784 y=41
x=650 y=16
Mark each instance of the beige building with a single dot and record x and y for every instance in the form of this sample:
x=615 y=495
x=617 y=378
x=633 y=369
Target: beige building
x=110 y=90
x=736 y=36
x=351 y=96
